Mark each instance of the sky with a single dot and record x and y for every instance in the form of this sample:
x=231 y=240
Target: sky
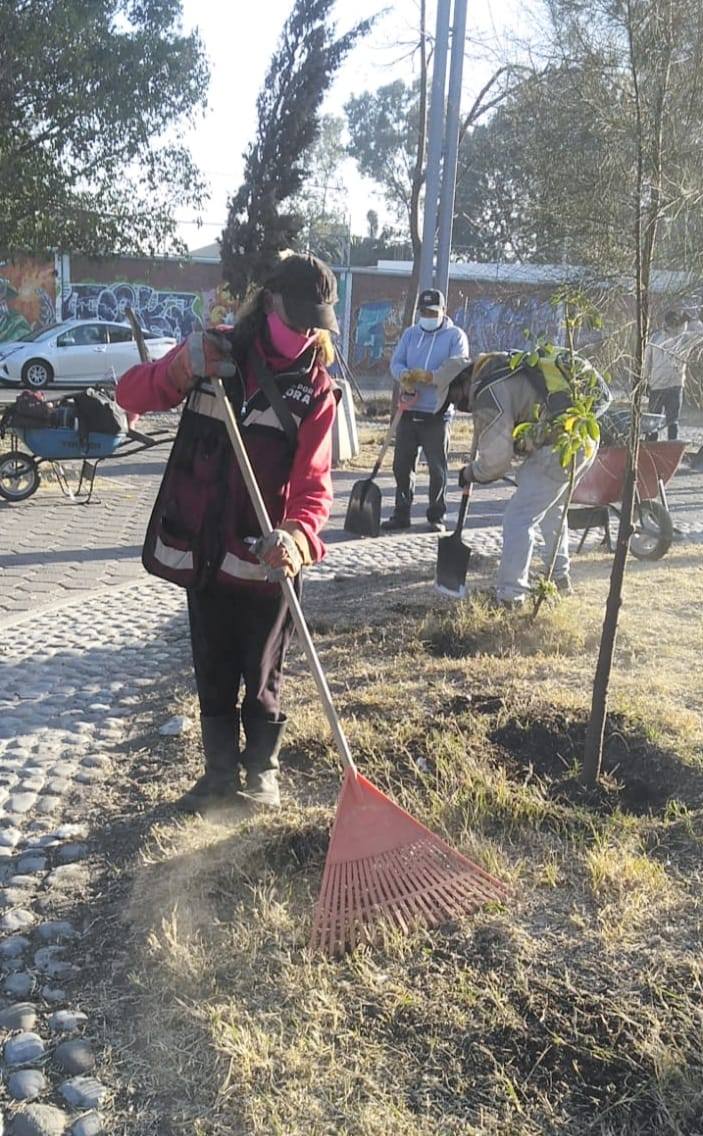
x=239 y=38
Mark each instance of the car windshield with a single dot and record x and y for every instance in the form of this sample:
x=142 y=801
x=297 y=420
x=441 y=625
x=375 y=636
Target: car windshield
x=40 y=333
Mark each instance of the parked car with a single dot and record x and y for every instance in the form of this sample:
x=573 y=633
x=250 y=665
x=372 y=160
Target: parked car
x=74 y=353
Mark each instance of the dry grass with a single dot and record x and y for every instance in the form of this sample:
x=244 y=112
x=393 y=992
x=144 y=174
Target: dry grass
x=576 y=1009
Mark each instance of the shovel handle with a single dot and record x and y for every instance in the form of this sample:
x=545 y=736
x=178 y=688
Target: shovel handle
x=287 y=586
x=388 y=438
x=465 y=499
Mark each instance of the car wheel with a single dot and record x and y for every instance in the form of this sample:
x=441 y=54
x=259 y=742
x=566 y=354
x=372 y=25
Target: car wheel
x=19 y=476
x=36 y=374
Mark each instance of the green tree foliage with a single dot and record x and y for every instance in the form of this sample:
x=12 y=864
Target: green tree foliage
x=549 y=177
x=323 y=200
x=537 y=183
x=89 y=90
x=383 y=132
x=301 y=71
x=386 y=245
x=390 y=148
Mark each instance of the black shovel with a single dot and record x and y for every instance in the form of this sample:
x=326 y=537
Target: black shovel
x=364 y=508
x=453 y=557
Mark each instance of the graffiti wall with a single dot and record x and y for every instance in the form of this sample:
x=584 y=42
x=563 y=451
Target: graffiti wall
x=218 y=306
x=494 y=323
x=376 y=329
x=166 y=312
x=27 y=297
x=493 y=316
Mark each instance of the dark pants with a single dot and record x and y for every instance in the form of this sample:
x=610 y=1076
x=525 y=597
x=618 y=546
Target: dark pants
x=667 y=401
x=430 y=433
x=239 y=636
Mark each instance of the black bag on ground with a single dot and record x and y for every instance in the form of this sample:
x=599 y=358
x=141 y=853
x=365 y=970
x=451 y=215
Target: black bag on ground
x=98 y=413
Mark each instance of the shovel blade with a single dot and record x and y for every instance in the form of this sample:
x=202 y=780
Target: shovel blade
x=364 y=509
x=452 y=563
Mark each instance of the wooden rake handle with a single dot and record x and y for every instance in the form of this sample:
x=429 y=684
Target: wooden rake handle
x=287 y=586
x=138 y=335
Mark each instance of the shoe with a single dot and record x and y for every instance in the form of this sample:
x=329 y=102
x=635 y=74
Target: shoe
x=563 y=585
x=504 y=605
x=395 y=523
x=437 y=526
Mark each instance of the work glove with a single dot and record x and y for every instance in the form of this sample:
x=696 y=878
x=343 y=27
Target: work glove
x=466 y=476
x=412 y=379
x=201 y=355
x=280 y=553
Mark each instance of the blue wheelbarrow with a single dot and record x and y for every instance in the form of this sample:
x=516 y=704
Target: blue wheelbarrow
x=20 y=475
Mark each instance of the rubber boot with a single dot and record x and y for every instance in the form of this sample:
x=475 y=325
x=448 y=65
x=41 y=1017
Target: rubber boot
x=217 y=784
x=260 y=760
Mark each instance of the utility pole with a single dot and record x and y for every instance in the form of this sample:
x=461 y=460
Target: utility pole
x=451 y=147
x=435 y=142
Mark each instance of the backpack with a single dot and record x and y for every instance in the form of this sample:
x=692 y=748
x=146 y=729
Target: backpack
x=549 y=379
x=98 y=413
x=30 y=409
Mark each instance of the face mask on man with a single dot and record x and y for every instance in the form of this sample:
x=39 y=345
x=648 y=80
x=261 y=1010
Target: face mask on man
x=431 y=323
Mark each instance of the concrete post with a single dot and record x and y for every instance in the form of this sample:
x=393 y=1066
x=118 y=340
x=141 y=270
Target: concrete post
x=451 y=151
x=435 y=135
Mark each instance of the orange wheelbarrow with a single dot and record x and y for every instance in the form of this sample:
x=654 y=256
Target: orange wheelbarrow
x=598 y=494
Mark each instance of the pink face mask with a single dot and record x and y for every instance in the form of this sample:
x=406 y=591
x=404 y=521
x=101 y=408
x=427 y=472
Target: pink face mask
x=285 y=341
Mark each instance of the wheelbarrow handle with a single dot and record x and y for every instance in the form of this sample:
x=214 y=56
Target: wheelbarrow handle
x=287 y=586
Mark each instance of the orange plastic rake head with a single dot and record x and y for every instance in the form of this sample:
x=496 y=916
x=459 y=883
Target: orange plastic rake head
x=384 y=866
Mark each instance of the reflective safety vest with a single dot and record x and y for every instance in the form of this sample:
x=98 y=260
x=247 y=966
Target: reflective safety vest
x=549 y=378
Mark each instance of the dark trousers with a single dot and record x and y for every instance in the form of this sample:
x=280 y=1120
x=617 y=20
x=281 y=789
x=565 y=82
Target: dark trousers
x=430 y=433
x=239 y=636
x=669 y=402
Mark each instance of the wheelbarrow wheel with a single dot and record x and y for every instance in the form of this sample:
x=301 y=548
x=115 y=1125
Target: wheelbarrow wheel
x=19 y=476
x=654 y=531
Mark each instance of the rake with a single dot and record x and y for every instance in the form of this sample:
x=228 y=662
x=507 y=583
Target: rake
x=383 y=866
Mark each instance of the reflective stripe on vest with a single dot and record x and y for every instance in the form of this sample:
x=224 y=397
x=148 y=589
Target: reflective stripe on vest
x=177 y=558
x=202 y=401
x=233 y=565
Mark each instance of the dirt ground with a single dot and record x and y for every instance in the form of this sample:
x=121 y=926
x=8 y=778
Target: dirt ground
x=572 y=1007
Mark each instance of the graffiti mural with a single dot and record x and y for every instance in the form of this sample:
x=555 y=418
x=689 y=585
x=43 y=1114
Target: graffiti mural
x=27 y=297
x=163 y=312
x=376 y=329
x=491 y=323
x=218 y=306
x=494 y=324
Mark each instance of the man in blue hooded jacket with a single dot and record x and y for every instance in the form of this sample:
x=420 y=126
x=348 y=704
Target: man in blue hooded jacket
x=421 y=351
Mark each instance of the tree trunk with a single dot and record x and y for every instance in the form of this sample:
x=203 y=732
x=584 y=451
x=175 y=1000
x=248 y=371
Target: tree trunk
x=418 y=177
x=645 y=234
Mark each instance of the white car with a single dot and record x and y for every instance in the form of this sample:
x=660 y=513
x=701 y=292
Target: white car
x=74 y=353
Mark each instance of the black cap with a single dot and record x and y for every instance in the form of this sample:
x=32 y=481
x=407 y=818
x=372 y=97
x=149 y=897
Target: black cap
x=431 y=298
x=309 y=290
